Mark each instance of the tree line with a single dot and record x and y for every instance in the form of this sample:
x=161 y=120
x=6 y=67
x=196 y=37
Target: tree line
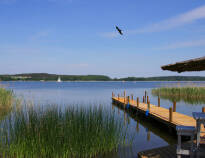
x=54 y=77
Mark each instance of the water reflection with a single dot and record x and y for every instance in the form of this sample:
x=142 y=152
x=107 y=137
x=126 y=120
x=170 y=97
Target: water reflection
x=148 y=125
x=137 y=127
x=147 y=135
x=144 y=134
x=124 y=152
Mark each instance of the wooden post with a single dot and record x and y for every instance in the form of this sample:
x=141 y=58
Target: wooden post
x=143 y=99
x=132 y=97
x=148 y=105
x=170 y=114
x=203 y=109
x=174 y=106
x=128 y=99
x=118 y=96
x=158 y=101
x=145 y=94
x=124 y=96
x=113 y=94
x=137 y=101
x=147 y=99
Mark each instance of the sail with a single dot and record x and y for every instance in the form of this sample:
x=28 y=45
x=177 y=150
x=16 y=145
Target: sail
x=59 y=79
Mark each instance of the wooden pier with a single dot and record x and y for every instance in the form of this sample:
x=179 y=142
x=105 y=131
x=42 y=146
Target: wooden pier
x=168 y=117
x=150 y=126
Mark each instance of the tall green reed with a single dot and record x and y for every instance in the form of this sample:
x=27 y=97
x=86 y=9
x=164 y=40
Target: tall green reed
x=189 y=94
x=6 y=98
x=74 y=132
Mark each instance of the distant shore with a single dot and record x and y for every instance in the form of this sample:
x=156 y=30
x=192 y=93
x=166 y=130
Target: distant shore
x=100 y=81
x=91 y=78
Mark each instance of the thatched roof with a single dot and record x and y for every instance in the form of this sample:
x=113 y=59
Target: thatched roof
x=197 y=64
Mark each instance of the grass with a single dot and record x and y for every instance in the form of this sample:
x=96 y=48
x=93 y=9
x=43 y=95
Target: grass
x=6 y=98
x=74 y=132
x=6 y=102
x=193 y=95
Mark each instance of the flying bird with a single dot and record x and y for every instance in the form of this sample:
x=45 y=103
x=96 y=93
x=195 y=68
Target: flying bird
x=120 y=31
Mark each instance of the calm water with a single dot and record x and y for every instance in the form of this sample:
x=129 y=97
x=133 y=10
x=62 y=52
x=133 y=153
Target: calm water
x=146 y=135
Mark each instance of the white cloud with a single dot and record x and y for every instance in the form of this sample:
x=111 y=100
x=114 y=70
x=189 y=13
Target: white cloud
x=182 y=19
x=109 y=34
x=184 y=44
x=179 y=20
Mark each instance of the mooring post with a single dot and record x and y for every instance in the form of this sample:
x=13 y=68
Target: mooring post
x=128 y=99
x=143 y=99
x=174 y=106
x=158 y=101
x=148 y=105
x=170 y=114
x=147 y=99
x=203 y=109
x=137 y=101
x=113 y=94
x=124 y=96
x=145 y=94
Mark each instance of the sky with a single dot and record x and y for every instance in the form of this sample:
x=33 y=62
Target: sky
x=78 y=37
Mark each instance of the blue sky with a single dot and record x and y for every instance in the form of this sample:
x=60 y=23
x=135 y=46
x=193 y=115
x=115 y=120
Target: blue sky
x=78 y=37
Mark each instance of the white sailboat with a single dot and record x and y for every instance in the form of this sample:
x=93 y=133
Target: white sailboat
x=59 y=79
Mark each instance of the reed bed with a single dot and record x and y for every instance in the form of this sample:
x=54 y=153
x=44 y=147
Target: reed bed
x=72 y=132
x=192 y=95
x=6 y=102
x=6 y=98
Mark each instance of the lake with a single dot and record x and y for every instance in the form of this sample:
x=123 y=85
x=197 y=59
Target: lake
x=146 y=135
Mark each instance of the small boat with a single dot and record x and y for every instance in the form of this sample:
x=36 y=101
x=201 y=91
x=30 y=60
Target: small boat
x=59 y=79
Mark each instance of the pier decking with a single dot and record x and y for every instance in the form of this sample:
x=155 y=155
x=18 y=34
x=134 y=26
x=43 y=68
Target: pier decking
x=168 y=117
x=163 y=115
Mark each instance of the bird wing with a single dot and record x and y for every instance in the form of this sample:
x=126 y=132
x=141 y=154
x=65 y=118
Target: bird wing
x=120 y=31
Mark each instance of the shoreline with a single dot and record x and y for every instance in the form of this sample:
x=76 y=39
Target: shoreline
x=102 y=81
